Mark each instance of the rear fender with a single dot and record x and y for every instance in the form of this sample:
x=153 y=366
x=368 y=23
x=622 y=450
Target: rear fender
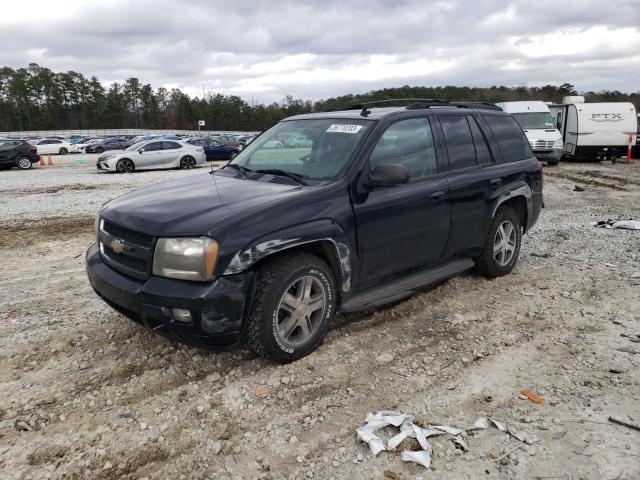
x=279 y=241
x=513 y=190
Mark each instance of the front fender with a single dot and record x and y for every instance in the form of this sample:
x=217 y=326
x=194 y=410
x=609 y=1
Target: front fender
x=278 y=241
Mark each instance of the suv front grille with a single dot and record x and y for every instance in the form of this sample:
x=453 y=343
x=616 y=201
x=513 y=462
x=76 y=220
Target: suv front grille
x=129 y=236
x=130 y=263
x=134 y=253
x=541 y=145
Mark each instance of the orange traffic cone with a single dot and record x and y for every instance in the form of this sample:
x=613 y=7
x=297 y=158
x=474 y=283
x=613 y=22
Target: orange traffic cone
x=50 y=162
x=41 y=162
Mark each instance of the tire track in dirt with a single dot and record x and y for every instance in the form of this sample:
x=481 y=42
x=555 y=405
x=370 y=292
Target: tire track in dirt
x=584 y=179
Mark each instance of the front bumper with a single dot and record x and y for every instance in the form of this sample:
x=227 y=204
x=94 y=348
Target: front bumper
x=552 y=155
x=218 y=307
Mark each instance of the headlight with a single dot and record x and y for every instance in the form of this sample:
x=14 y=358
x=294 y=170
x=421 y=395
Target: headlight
x=557 y=143
x=185 y=258
x=96 y=225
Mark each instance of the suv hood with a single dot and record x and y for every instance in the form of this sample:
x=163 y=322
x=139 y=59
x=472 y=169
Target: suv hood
x=196 y=205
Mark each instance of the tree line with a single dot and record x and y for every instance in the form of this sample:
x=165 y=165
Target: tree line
x=37 y=98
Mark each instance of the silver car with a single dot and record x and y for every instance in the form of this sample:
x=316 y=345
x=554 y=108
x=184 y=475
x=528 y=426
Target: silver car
x=152 y=154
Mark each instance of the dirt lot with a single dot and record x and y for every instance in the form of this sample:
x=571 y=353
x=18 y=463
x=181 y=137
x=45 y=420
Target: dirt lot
x=88 y=394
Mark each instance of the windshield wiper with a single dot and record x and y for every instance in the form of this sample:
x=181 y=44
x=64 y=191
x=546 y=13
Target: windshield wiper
x=283 y=173
x=242 y=169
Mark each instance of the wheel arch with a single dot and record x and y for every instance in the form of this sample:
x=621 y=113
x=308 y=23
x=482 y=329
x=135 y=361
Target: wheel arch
x=330 y=246
x=520 y=199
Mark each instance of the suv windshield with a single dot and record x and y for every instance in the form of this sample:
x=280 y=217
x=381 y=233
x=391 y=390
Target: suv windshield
x=534 y=120
x=321 y=148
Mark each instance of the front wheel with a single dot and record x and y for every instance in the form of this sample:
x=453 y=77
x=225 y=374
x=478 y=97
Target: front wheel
x=502 y=246
x=63 y=151
x=99 y=150
x=125 y=166
x=294 y=303
x=23 y=163
x=187 y=163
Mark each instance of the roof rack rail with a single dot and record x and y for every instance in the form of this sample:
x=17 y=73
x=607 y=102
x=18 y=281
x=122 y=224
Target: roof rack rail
x=365 y=105
x=439 y=103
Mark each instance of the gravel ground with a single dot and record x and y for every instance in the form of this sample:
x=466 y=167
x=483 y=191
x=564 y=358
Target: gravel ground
x=72 y=191
x=88 y=394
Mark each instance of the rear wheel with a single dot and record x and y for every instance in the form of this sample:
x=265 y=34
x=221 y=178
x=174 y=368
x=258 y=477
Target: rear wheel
x=187 y=162
x=99 y=150
x=125 y=166
x=23 y=163
x=502 y=246
x=292 y=307
x=233 y=155
x=63 y=151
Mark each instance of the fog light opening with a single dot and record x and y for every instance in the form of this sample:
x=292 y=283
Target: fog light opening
x=181 y=315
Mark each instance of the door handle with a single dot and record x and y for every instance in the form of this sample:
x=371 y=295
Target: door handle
x=495 y=181
x=438 y=195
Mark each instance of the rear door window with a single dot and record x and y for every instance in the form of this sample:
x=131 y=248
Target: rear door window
x=510 y=137
x=459 y=141
x=170 y=145
x=482 y=149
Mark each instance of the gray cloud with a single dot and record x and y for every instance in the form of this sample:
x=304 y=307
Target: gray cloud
x=321 y=48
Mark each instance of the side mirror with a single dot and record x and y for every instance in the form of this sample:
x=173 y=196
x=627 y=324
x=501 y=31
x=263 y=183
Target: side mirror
x=387 y=175
x=141 y=150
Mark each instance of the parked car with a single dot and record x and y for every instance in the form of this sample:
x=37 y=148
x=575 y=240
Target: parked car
x=51 y=146
x=17 y=153
x=152 y=154
x=81 y=147
x=230 y=140
x=106 y=144
x=140 y=138
x=215 y=150
x=273 y=143
x=297 y=141
x=266 y=252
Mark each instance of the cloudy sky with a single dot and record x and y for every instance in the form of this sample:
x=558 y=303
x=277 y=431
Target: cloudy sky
x=321 y=48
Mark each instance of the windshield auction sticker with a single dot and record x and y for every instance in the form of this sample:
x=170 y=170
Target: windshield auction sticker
x=342 y=128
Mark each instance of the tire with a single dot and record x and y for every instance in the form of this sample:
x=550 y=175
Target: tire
x=281 y=279
x=63 y=151
x=187 y=163
x=553 y=163
x=99 y=150
x=240 y=147
x=125 y=165
x=496 y=263
x=233 y=155
x=23 y=163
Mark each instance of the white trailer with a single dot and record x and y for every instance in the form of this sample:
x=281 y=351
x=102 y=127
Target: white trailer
x=595 y=130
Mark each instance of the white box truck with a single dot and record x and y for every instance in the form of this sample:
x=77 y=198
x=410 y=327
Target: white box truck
x=540 y=128
x=595 y=130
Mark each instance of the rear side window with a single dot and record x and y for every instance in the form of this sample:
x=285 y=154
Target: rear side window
x=482 y=150
x=457 y=135
x=510 y=137
x=170 y=145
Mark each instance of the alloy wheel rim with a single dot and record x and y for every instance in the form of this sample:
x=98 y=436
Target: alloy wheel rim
x=24 y=163
x=125 y=167
x=300 y=310
x=504 y=243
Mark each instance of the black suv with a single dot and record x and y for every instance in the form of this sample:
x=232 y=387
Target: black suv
x=378 y=203
x=17 y=153
x=107 y=144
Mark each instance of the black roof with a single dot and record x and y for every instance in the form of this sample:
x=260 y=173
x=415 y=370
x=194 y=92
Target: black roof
x=367 y=110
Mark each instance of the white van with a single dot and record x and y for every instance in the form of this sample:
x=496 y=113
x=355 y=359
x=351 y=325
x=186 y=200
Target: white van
x=539 y=127
x=595 y=130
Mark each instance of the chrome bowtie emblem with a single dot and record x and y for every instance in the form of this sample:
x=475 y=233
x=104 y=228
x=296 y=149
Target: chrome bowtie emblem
x=117 y=246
